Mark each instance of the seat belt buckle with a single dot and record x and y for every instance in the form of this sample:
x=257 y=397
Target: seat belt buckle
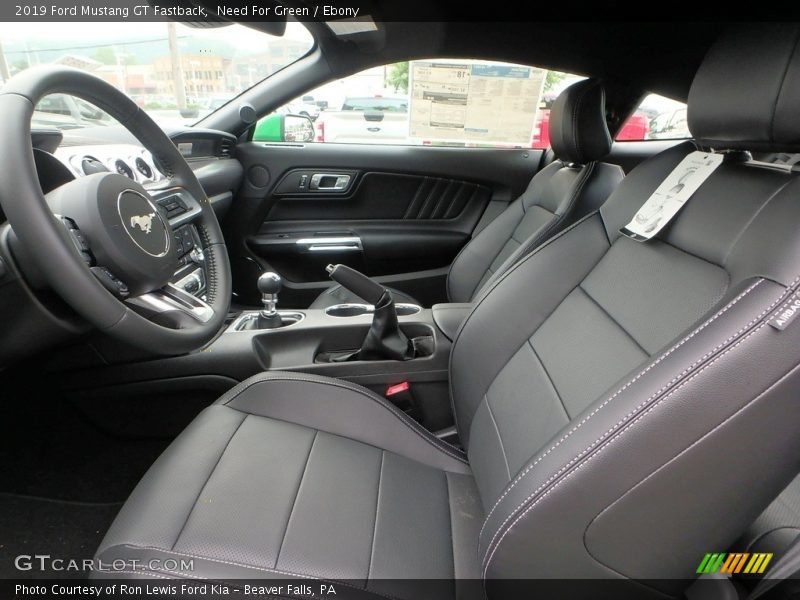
x=401 y=396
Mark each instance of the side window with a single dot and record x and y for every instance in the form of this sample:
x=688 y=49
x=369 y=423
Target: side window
x=63 y=111
x=656 y=118
x=436 y=102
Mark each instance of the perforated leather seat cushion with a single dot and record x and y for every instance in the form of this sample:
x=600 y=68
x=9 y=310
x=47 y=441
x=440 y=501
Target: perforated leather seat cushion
x=268 y=482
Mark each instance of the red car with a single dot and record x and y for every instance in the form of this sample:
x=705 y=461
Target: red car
x=635 y=128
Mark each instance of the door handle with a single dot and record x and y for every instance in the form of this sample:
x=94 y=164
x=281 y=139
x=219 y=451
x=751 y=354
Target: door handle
x=330 y=244
x=329 y=182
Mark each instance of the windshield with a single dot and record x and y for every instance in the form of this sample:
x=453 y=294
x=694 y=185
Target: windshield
x=377 y=103
x=177 y=74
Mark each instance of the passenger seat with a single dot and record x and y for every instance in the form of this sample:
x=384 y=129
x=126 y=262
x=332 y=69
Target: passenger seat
x=567 y=189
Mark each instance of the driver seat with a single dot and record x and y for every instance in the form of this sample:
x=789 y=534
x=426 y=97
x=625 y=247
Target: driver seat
x=614 y=399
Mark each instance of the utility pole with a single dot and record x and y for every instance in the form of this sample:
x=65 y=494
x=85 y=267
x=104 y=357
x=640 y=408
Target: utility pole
x=3 y=65
x=177 y=67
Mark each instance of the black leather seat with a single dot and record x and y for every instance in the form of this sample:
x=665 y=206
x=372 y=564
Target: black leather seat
x=625 y=407
x=570 y=187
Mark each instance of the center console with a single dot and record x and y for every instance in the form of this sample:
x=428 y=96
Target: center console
x=328 y=341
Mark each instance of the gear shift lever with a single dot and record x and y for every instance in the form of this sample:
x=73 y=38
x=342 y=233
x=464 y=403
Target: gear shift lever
x=269 y=284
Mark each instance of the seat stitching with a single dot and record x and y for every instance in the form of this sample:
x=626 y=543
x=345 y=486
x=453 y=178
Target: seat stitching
x=254 y=567
x=210 y=473
x=364 y=392
x=497 y=431
x=628 y=416
x=628 y=428
x=296 y=496
x=621 y=424
x=550 y=380
x=375 y=523
x=613 y=396
x=611 y=318
x=450 y=522
x=146 y=573
x=423 y=433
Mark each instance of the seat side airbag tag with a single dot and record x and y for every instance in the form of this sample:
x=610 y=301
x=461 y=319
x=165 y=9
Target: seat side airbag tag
x=668 y=199
x=787 y=313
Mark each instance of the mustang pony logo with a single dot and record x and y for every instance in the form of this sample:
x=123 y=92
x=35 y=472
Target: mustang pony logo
x=143 y=222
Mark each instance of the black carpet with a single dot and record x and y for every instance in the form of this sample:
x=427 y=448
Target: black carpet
x=37 y=526
x=49 y=449
x=65 y=473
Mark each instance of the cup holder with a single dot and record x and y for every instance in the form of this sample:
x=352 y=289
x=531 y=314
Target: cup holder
x=356 y=310
x=406 y=310
x=348 y=310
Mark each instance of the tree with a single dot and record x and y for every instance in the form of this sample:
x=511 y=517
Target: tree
x=20 y=64
x=398 y=77
x=108 y=56
x=552 y=79
x=105 y=55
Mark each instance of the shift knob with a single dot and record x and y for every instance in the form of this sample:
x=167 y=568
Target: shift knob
x=269 y=283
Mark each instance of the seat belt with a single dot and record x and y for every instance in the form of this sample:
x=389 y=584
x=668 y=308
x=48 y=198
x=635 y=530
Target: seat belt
x=784 y=568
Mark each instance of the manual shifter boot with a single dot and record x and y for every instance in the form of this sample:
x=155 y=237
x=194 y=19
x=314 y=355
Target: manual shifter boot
x=384 y=340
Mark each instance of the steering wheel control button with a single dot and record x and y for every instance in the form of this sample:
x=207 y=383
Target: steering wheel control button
x=110 y=282
x=79 y=239
x=173 y=205
x=197 y=256
x=143 y=223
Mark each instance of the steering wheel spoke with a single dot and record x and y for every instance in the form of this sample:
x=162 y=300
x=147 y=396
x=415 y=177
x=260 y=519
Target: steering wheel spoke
x=171 y=306
x=110 y=281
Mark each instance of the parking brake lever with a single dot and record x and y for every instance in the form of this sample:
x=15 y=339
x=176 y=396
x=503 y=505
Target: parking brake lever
x=384 y=340
x=362 y=286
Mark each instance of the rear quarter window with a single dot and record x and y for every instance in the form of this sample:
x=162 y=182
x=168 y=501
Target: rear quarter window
x=656 y=118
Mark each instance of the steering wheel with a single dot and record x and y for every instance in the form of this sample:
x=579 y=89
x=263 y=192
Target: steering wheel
x=101 y=241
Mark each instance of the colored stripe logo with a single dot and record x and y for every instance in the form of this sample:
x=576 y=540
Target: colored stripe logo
x=735 y=562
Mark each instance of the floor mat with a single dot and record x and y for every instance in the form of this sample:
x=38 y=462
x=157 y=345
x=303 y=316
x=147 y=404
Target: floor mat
x=48 y=449
x=63 y=530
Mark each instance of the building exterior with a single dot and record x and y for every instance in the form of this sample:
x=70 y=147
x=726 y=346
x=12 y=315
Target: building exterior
x=203 y=76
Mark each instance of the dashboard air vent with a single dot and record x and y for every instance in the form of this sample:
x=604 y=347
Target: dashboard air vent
x=226 y=148
x=144 y=168
x=123 y=169
x=90 y=165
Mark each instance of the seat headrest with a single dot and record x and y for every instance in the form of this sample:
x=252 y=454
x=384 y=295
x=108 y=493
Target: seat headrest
x=746 y=93
x=578 y=129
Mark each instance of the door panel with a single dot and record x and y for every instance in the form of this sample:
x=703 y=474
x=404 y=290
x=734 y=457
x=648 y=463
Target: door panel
x=398 y=213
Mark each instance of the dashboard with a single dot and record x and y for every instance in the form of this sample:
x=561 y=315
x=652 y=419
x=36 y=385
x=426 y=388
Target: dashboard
x=126 y=159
